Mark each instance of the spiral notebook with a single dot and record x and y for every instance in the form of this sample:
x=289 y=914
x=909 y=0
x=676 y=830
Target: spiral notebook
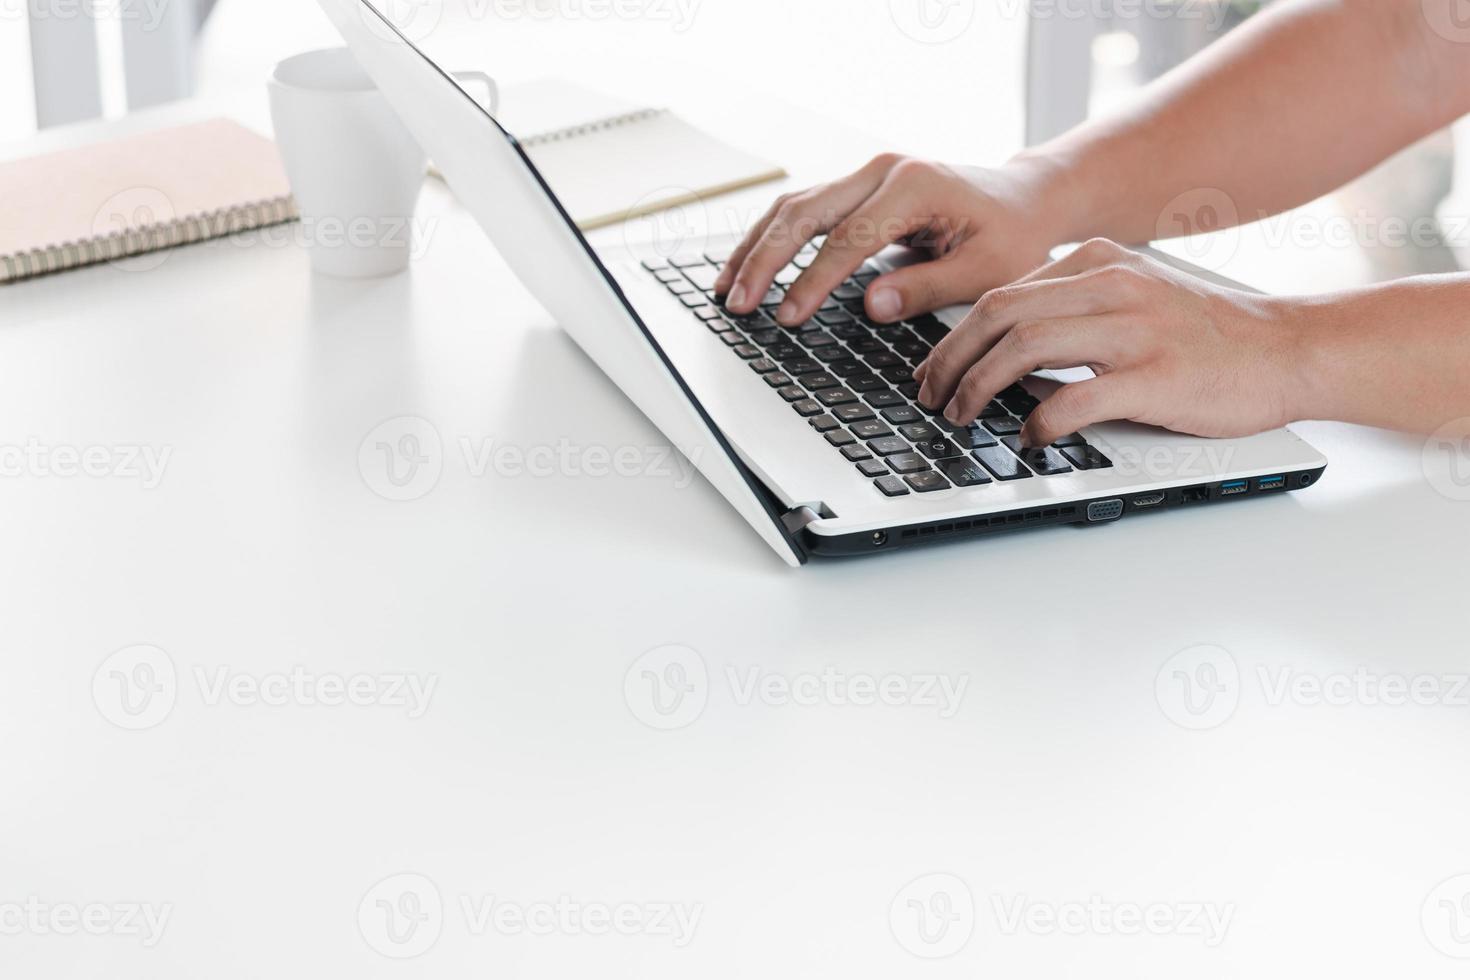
x=609 y=162
x=137 y=194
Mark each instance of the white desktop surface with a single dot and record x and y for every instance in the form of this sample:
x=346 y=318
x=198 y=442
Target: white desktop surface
x=1062 y=778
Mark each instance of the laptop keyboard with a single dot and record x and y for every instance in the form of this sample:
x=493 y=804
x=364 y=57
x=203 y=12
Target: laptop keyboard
x=851 y=379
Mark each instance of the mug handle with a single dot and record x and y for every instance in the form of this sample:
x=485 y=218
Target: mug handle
x=492 y=101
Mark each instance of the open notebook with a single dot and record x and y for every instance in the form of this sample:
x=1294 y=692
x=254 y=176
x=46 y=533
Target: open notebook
x=137 y=194
x=608 y=161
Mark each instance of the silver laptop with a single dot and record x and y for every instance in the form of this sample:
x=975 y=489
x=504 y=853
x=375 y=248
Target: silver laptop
x=813 y=437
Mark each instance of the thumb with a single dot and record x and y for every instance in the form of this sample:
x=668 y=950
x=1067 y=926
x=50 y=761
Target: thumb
x=920 y=288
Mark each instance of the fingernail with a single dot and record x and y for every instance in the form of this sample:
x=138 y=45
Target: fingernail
x=886 y=303
x=925 y=396
x=787 y=312
x=952 y=414
x=736 y=297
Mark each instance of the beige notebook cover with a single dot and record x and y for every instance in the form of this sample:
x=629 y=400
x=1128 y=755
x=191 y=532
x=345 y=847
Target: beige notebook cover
x=137 y=194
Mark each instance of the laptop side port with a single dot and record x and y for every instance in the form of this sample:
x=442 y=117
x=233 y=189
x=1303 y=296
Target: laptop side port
x=1235 y=488
x=1195 y=495
x=1104 y=510
x=1267 y=483
x=1148 y=500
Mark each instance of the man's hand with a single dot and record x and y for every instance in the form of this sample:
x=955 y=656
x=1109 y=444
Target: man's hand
x=1168 y=349
x=980 y=228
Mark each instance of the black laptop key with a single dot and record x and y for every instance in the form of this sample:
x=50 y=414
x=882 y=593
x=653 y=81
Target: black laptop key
x=776 y=379
x=914 y=350
x=792 y=393
x=732 y=338
x=995 y=410
x=807 y=408
x=891 y=486
x=939 y=449
x=1003 y=426
x=848 y=290
x=768 y=336
x=882 y=359
x=825 y=423
x=784 y=351
x=963 y=472
x=888 y=446
x=887 y=398
x=833 y=318
x=818 y=380
x=929 y=328
x=927 y=482
x=919 y=432
x=707 y=313
x=747 y=351
x=871 y=429
x=862 y=345
x=970 y=437
x=853 y=413
x=815 y=338
x=872 y=467
x=763 y=365
x=1075 y=439
x=1043 y=459
x=897 y=374
x=856 y=453
x=864 y=383
x=902 y=414
x=891 y=332
x=773 y=297
x=800 y=365
x=835 y=396
x=846 y=367
x=907 y=463
x=841 y=437
x=1086 y=457
x=830 y=353
x=850 y=332
x=1001 y=462
x=909 y=390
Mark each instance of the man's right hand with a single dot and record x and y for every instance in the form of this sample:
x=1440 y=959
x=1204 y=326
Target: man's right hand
x=979 y=229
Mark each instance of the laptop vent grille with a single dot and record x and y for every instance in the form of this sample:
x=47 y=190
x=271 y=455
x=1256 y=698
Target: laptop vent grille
x=1013 y=519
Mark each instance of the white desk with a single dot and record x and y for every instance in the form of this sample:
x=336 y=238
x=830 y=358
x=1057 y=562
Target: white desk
x=1320 y=830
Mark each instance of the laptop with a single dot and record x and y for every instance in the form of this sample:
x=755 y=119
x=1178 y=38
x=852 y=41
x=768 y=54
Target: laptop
x=813 y=436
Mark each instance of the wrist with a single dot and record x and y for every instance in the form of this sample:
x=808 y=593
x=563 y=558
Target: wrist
x=1057 y=198
x=1313 y=332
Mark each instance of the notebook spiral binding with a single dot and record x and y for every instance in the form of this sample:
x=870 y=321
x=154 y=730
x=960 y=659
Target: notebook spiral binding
x=585 y=129
x=149 y=238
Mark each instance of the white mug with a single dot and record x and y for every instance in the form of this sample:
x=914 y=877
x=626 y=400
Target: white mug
x=355 y=169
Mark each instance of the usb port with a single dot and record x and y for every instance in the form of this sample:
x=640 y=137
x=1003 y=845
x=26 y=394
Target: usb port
x=1271 y=483
x=1234 y=487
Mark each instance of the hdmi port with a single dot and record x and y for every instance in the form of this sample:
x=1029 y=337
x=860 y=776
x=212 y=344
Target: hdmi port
x=1148 y=500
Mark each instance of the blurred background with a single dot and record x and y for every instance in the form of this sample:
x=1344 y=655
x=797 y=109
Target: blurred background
x=961 y=80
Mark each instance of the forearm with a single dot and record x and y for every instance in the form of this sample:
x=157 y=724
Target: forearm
x=1296 y=103
x=1396 y=355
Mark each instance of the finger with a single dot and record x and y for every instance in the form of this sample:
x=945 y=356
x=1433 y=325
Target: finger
x=790 y=224
x=889 y=215
x=737 y=257
x=921 y=288
x=1087 y=294
x=1031 y=346
x=1082 y=403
